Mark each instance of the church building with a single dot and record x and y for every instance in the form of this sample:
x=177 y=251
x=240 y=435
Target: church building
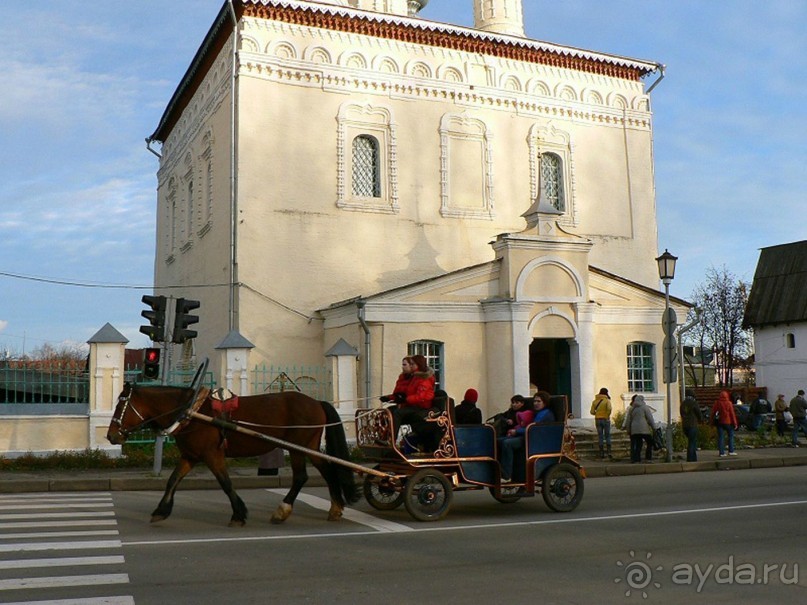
x=347 y=177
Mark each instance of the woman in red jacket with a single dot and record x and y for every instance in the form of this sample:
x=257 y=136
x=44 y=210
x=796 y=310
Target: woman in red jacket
x=417 y=402
x=725 y=419
x=402 y=384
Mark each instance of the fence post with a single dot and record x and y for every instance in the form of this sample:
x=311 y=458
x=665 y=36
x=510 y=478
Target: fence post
x=106 y=369
x=344 y=369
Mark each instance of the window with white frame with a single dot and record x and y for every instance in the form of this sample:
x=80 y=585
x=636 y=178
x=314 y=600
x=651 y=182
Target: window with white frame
x=466 y=167
x=366 y=167
x=641 y=367
x=366 y=158
x=432 y=350
x=552 y=170
x=552 y=180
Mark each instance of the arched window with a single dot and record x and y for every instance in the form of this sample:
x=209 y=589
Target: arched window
x=552 y=180
x=432 y=350
x=366 y=164
x=641 y=367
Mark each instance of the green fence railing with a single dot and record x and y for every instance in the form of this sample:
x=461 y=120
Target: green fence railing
x=27 y=381
x=314 y=381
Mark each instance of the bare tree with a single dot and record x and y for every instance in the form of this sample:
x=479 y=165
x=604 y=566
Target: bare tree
x=722 y=299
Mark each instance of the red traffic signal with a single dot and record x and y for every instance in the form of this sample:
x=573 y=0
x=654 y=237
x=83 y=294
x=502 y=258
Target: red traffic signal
x=151 y=364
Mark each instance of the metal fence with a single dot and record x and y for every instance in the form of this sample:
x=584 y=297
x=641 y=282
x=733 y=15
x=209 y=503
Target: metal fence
x=27 y=381
x=314 y=381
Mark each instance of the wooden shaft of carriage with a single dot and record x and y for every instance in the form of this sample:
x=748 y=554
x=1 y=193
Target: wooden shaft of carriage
x=230 y=426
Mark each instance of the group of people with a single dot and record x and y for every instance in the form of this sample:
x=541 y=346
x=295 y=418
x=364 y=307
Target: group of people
x=511 y=427
x=638 y=422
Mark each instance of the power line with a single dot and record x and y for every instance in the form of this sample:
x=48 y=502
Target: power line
x=79 y=284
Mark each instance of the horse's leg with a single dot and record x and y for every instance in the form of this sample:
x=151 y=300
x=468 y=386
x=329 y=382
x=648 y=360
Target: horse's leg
x=166 y=505
x=327 y=471
x=298 y=478
x=218 y=466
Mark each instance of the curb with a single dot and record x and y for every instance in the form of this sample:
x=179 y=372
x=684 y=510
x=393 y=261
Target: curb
x=659 y=468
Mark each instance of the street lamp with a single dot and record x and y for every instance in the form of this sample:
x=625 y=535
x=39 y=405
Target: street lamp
x=666 y=272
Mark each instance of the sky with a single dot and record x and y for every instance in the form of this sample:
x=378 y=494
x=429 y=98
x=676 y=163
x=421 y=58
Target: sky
x=85 y=82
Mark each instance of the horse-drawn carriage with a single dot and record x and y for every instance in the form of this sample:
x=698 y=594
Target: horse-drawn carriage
x=209 y=430
x=467 y=459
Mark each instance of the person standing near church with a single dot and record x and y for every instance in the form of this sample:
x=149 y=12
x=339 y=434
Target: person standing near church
x=798 y=407
x=691 y=418
x=601 y=409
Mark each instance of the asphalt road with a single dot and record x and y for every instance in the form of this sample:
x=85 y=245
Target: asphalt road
x=713 y=537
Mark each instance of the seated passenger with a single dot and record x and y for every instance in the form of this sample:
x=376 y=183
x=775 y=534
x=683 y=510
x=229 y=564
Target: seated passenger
x=513 y=441
x=503 y=421
x=413 y=407
x=467 y=412
x=401 y=385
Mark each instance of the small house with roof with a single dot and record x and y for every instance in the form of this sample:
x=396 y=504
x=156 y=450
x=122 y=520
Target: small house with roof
x=777 y=312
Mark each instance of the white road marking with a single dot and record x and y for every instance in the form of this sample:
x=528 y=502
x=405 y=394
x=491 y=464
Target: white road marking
x=39 y=496
x=34 y=546
x=63 y=581
x=432 y=528
x=61 y=505
x=71 y=515
x=61 y=562
x=349 y=513
x=90 y=601
x=44 y=524
x=60 y=534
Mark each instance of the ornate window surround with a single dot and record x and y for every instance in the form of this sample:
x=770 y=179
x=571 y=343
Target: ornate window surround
x=548 y=139
x=460 y=126
x=356 y=119
x=206 y=159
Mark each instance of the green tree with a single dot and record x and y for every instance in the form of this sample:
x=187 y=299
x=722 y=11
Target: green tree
x=722 y=298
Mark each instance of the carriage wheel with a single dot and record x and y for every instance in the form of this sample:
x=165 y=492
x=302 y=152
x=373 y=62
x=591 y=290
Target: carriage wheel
x=562 y=487
x=427 y=495
x=507 y=494
x=381 y=494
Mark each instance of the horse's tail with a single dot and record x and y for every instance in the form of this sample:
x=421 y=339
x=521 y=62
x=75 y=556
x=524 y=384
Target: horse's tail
x=336 y=445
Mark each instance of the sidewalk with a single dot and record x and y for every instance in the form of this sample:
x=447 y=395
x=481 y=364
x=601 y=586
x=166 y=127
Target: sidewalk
x=247 y=478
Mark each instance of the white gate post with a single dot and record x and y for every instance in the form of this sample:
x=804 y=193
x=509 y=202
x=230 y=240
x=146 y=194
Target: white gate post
x=344 y=369
x=107 y=372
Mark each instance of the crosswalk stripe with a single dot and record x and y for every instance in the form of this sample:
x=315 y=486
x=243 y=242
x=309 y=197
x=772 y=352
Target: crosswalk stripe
x=67 y=505
x=25 y=501
x=31 y=547
x=64 y=581
x=127 y=600
x=44 y=524
x=70 y=515
x=48 y=495
x=60 y=534
x=61 y=562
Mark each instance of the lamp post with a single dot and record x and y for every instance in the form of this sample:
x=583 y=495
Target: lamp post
x=666 y=272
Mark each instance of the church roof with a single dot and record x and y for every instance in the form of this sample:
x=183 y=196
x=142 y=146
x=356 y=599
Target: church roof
x=406 y=29
x=779 y=292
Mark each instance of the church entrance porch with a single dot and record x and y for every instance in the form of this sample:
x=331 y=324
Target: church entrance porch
x=550 y=366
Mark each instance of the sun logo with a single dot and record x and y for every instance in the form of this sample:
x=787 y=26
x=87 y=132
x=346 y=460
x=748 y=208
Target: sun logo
x=638 y=575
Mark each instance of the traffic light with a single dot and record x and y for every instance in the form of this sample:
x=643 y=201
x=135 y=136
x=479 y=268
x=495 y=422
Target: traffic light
x=156 y=330
x=182 y=320
x=151 y=364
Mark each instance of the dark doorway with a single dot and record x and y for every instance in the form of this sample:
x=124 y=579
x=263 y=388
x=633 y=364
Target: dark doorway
x=550 y=366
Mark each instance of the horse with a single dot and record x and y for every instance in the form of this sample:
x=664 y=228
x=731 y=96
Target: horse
x=291 y=416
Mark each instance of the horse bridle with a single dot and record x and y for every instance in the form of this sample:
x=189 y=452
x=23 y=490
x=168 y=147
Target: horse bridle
x=126 y=399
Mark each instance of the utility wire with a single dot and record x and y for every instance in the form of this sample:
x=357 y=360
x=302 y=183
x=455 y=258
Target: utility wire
x=78 y=284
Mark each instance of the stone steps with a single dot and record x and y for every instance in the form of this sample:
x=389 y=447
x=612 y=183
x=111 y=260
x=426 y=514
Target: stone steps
x=586 y=444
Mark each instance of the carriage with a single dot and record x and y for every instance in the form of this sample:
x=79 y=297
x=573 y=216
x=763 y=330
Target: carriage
x=210 y=430
x=466 y=459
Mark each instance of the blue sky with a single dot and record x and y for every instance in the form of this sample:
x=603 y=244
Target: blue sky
x=84 y=82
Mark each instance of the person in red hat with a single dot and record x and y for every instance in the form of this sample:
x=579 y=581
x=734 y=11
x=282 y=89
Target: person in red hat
x=467 y=412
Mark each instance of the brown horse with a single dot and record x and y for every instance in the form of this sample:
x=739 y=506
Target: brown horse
x=290 y=416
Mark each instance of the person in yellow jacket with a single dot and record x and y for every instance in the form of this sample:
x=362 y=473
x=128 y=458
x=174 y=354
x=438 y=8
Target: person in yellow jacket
x=601 y=409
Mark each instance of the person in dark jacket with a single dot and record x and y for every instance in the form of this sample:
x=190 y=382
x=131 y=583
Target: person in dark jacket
x=467 y=412
x=690 y=421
